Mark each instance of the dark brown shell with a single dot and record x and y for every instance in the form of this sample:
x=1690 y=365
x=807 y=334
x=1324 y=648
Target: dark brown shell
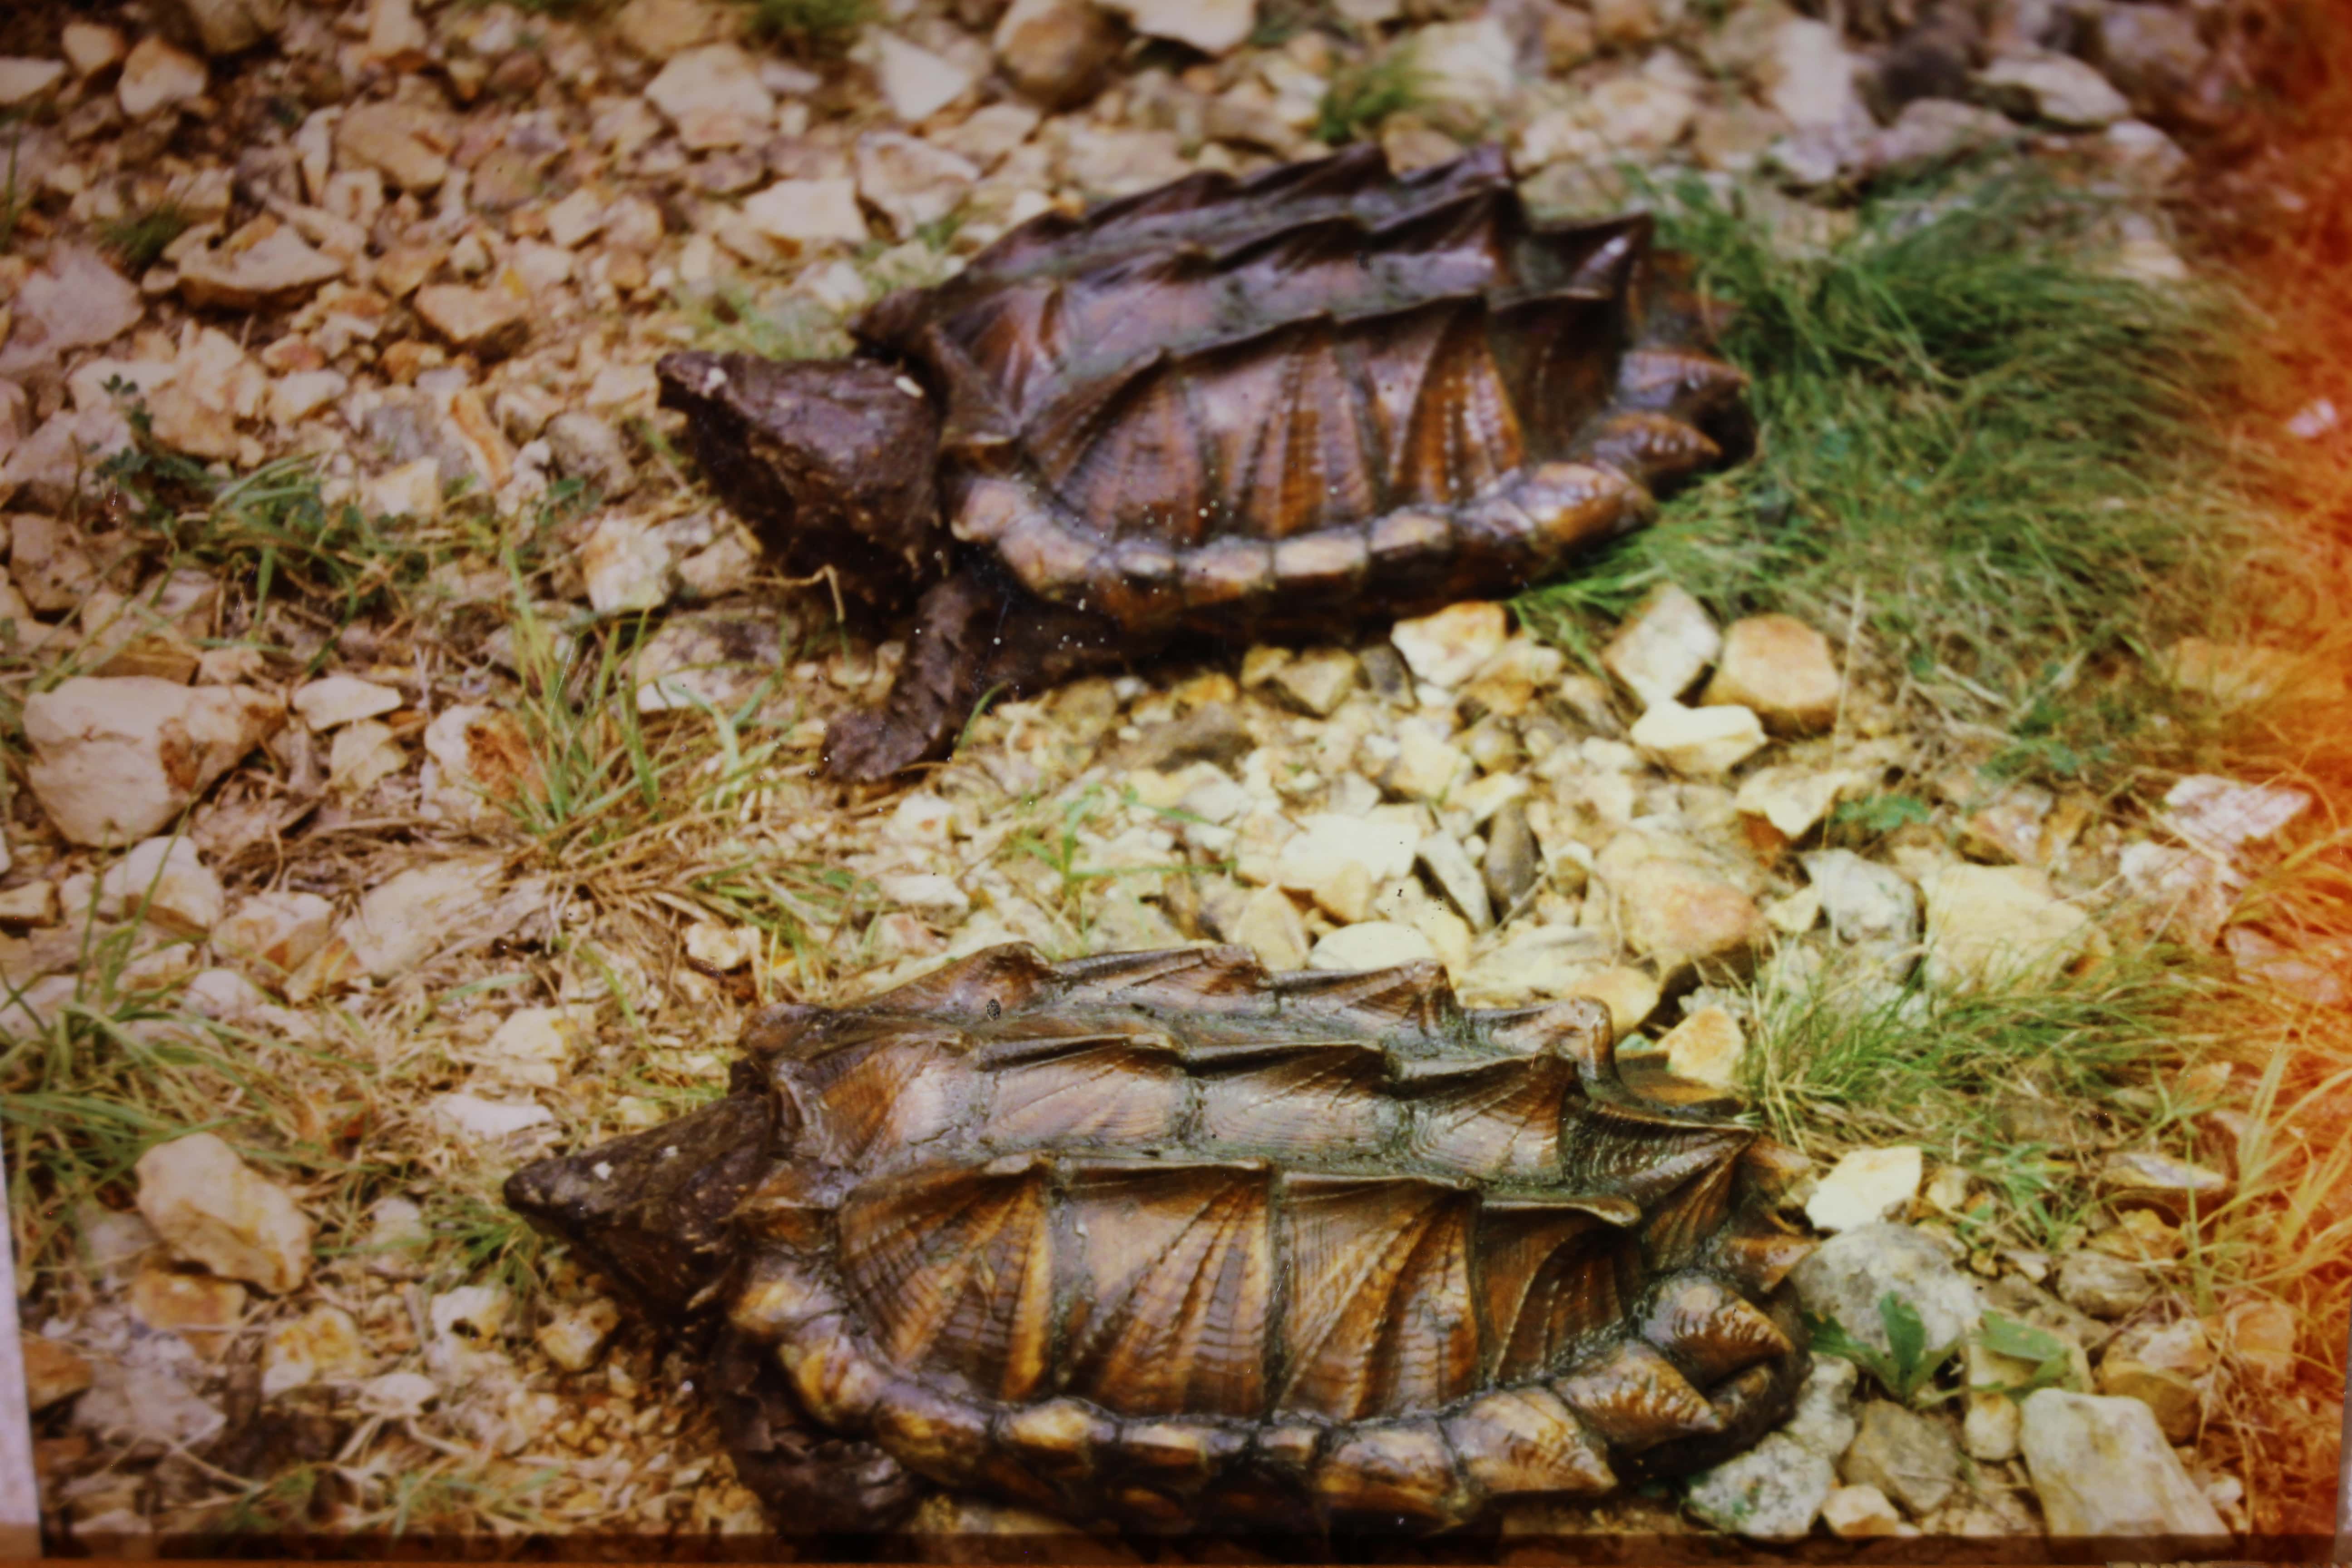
x=1230 y=403
x=1161 y=1239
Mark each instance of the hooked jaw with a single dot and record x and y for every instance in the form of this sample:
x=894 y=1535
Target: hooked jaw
x=831 y=461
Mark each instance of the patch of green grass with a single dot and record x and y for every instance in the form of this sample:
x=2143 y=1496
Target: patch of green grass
x=2013 y=1083
x=138 y=239
x=816 y=26
x=1993 y=459
x=1361 y=96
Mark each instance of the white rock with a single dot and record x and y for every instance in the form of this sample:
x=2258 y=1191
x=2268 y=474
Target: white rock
x=626 y=566
x=169 y=881
x=1272 y=928
x=1445 y=648
x=117 y=759
x=296 y=397
x=92 y=46
x=406 y=142
x=2102 y=1469
x=322 y=1345
x=478 y=763
x=1534 y=962
x=156 y=76
x=1772 y=1493
x=2220 y=815
x=808 y=212
x=574 y=220
x=398 y=1395
x=487 y=1120
x=395 y=30
x=279 y=928
x=1372 y=944
x=340 y=700
x=1847 y=1276
x=1664 y=646
x=575 y=1336
x=724 y=948
x=912 y=180
x=209 y=1207
x=1449 y=866
x=1641 y=114
x=23 y=80
x=931 y=892
x=75 y=302
x=412 y=915
x=1470 y=63
x=1328 y=843
x=1426 y=765
x=714 y=97
x=2058 y=88
x=1865 y=902
x=532 y=1046
x=1810 y=77
x=1862 y=1513
x=1707 y=1047
x=1866 y=1186
x=1783 y=668
x=1698 y=743
x=1794 y=797
x=916 y=83
x=412 y=491
x=132 y=1404
x=278 y=270
x=1212 y=26
x=1990 y=925
x=2187 y=892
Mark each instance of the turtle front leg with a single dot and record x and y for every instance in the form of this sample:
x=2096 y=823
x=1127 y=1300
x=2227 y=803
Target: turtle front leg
x=970 y=637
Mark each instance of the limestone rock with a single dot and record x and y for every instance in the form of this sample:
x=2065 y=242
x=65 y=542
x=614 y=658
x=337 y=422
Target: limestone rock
x=117 y=759
x=225 y=27
x=1824 y=1418
x=1782 y=669
x=166 y=881
x=1534 y=962
x=2055 y=89
x=1773 y=1492
x=1904 y=1455
x=278 y=929
x=1272 y=928
x=1999 y=924
x=1370 y=944
x=334 y=699
x=322 y=1345
x=910 y=180
x=657 y=30
x=808 y=212
x=1698 y=743
x=1707 y=1047
x=1680 y=913
x=156 y=77
x=626 y=565
x=916 y=83
x=1862 y=1513
x=208 y=1206
x=714 y=97
x=1055 y=51
x=1664 y=646
x=1866 y=901
x=278 y=270
x=1212 y=26
x=574 y=1336
x=1865 y=1186
x=406 y=144
x=1629 y=994
x=1445 y=647
x=492 y=321
x=2102 y=1469
x=75 y=302
x=1846 y=1277
x=92 y=46
x=406 y=919
x=1318 y=681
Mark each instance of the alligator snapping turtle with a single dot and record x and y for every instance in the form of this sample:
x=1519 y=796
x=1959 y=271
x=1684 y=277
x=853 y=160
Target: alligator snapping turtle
x=1226 y=408
x=1160 y=1240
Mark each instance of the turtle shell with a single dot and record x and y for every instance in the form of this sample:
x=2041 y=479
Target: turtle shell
x=1226 y=404
x=1160 y=1239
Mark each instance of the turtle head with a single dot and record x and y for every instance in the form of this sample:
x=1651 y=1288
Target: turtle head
x=831 y=461
x=654 y=1211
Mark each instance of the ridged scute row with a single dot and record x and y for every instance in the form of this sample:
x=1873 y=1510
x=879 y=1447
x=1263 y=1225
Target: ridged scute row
x=1165 y=1238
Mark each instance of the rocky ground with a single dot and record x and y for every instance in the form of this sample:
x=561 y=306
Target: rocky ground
x=355 y=853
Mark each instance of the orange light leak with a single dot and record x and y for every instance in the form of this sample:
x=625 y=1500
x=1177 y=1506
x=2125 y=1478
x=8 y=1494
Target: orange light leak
x=2272 y=216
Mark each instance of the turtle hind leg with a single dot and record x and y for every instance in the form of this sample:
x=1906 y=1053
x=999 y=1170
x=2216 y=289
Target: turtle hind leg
x=934 y=694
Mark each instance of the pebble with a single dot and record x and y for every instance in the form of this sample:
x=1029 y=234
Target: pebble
x=657 y=30
x=713 y=96
x=1862 y=1513
x=1865 y=1186
x=1698 y=743
x=2056 y=88
x=167 y=882
x=76 y=301
x=1212 y=26
x=1271 y=927
x=2159 y=1365
x=1514 y=865
x=1446 y=649
x=1679 y=913
x=1903 y=1455
x=1056 y=51
x=24 y=80
x=279 y=928
x=53 y=1372
x=532 y=1047
x=1866 y=901
x=120 y=758
x=2142 y=1178
x=1999 y=925
x=915 y=82
x=1823 y=1419
x=156 y=77
x=1318 y=681
x=410 y=490
x=911 y=181
x=1794 y=797
x=2101 y=1469
x=1778 y=668
x=334 y=699
x=1773 y=1492
x=1450 y=867
x=92 y=46
x=1370 y=944
x=1707 y=1047
x=2103 y=1287
x=492 y=321
x=473 y=1117
x=1629 y=993
x=808 y=212
x=276 y=273
x=1663 y=647
x=209 y=1207
x=323 y=1346
x=411 y=915
x=574 y=1336
x=2222 y=816
x=1846 y=1277
x=408 y=145
x=133 y=1402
